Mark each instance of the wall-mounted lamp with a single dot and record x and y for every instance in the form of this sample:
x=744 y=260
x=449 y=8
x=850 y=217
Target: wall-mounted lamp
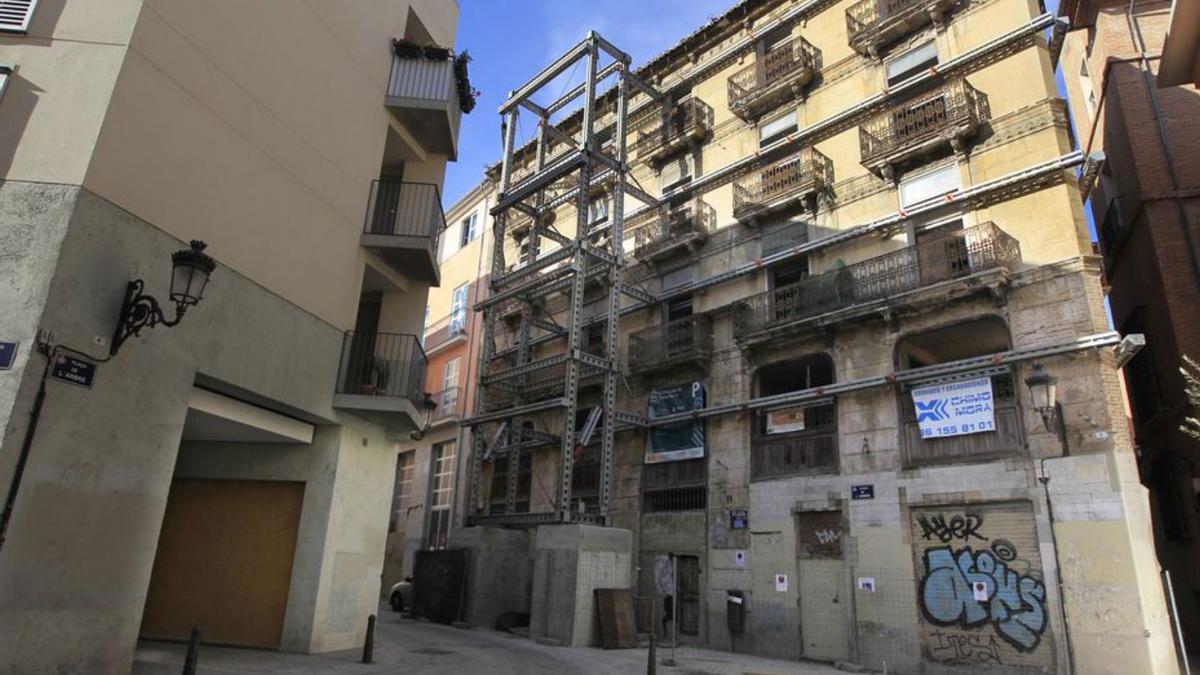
x=1043 y=389
x=190 y=269
x=428 y=405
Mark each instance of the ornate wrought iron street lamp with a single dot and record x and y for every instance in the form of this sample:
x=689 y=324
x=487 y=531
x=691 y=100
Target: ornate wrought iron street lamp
x=190 y=270
x=1043 y=389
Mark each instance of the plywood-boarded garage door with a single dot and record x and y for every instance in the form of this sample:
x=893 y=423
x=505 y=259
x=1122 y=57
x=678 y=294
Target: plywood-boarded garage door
x=224 y=561
x=981 y=591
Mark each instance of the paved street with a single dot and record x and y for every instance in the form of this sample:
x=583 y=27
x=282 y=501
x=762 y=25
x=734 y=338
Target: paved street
x=420 y=647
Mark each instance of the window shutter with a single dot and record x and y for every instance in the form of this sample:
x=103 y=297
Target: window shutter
x=912 y=62
x=15 y=15
x=784 y=124
x=676 y=171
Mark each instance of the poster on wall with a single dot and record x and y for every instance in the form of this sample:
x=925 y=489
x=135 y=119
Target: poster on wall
x=684 y=440
x=955 y=408
x=785 y=420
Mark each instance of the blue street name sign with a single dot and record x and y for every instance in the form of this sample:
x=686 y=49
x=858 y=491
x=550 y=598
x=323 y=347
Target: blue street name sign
x=8 y=354
x=73 y=370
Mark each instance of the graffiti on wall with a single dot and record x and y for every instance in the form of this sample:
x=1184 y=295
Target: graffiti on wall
x=981 y=592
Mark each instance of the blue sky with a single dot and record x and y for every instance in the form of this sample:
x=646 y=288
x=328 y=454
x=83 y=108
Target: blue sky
x=511 y=40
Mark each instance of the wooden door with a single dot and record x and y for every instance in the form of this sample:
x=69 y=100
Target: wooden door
x=824 y=594
x=224 y=561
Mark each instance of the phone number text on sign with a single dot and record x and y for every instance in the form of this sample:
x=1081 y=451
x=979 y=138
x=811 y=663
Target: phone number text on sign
x=955 y=408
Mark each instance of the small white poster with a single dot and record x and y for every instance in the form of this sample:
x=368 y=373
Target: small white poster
x=739 y=558
x=979 y=590
x=866 y=584
x=781 y=583
x=785 y=420
x=955 y=408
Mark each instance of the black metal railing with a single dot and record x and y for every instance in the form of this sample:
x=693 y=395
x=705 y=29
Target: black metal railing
x=655 y=231
x=450 y=403
x=957 y=254
x=811 y=450
x=404 y=209
x=688 y=119
x=803 y=172
x=914 y=122
x=795 y=57
x=682 y=339
x=382 y=364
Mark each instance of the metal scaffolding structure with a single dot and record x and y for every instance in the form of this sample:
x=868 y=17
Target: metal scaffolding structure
x=513 y=385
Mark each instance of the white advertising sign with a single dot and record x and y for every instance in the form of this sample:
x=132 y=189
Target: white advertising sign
x=955 y=408
x=785 y=420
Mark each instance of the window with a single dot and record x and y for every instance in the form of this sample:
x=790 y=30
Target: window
x=1085 y=86
x=674 y=486
x=799 y=438
x=499 y=492
x=912 y=62
x=15 y=15
x=6 y=71
x=777 y=128
x=929 y=185
x=458 y=310
x=467 y=233
x=441 y=496
x=450 y=385
x=676 y=172
x=402 y=490
x=598 y=210
x=679 y=309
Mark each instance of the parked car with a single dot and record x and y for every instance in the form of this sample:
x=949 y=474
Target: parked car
x=401 y=596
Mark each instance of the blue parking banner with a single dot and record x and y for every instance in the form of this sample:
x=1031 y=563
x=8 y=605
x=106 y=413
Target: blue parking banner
x=955 y=408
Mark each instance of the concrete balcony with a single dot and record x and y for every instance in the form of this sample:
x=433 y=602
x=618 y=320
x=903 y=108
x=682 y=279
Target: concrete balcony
x=404 y=223
x=451 y=406
x=381 y=377
x=780 y=185
x=876 y=285
x=423 y=95
x=946 y=117
x=658 y=235
x=446 y=333
x=874 y=24
x=667 y=346
x=684 y=127
x=781 y=74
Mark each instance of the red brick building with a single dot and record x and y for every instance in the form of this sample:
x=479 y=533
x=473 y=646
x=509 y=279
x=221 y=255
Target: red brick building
x=1145 y=201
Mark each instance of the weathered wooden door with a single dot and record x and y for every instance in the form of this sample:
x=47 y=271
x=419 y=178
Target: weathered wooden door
x=824 y=593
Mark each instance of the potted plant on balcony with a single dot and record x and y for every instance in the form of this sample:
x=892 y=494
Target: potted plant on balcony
x=382 y=373
x=366 y=379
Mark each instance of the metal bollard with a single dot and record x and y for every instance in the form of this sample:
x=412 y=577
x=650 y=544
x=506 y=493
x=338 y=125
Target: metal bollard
x=369 y=644
x=193 y=652
x=651 y=660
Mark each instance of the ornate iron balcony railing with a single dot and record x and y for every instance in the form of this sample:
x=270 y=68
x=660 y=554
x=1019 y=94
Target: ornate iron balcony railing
x=668 y=344
x=781 y=73
x=687 y=121
x=871 y=24
x=656 y=234
x=962 y=253
x=382 y=364
x=802 y=174
x=947 y=114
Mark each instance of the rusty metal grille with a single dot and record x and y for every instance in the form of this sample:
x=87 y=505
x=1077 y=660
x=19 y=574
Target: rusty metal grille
x=778 y=64
x=961 y=253
x=686 y=338
x=865 y=15
x=814 y=450
x=802 y=172
x=688 y=118
x=954 y=104
x=658 y=232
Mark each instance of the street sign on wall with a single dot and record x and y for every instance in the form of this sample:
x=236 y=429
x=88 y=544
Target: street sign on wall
x=955 y=408
x=73 y=370
x=684 y=440
x=8 y=354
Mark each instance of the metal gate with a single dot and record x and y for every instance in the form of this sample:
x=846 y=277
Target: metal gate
x=439 y=578
x=824 y=596
x=981 y=592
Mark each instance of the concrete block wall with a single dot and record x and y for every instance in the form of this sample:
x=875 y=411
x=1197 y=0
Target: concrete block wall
x=499 y=572
x=571 y=562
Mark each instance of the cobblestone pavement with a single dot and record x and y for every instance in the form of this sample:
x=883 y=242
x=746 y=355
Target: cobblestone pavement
x=408 y=646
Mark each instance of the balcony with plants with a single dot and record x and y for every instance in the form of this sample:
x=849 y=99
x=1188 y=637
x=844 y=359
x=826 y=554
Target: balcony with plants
x=381 y=377
x=428 y=91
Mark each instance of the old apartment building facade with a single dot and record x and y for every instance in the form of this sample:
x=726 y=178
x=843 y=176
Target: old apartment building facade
x=856 y=206
x=227 y=467
x=1145 y=201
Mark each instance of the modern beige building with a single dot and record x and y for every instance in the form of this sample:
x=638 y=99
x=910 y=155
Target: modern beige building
x=229 y=471
x=859 y=271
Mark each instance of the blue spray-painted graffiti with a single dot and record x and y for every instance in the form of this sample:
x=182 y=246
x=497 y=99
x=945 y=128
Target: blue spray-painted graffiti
x=968 y=589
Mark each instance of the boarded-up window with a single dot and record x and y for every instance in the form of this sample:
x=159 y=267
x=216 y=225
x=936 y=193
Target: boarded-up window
x=980 y=587
x=819 y=535
x=677 y=171
x=16 y=14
